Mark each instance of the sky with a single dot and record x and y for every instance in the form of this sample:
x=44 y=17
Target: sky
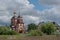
x=32 y=11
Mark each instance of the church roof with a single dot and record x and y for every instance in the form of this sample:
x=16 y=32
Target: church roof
x=19 y=16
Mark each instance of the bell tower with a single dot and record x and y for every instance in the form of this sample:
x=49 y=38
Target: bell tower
x=21 y=28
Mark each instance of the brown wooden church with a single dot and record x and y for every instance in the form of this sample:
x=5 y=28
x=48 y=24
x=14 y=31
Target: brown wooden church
x=17 y=23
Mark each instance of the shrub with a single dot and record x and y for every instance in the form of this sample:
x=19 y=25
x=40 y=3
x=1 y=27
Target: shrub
x=7 y=31
x=35 y=33
x=12 y=33
x=48 y=28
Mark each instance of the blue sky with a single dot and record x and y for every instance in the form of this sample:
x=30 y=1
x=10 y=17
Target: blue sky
x=37 y=5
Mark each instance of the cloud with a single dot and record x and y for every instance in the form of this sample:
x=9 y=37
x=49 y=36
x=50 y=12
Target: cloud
x=7 y=8
x=31 y=19
x=52 y=14
x=50 y=2
x=30 y=15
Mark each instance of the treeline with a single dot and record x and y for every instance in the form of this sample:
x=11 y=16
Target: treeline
x=43 y=28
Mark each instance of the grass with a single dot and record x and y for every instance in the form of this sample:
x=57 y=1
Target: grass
x=23 y=37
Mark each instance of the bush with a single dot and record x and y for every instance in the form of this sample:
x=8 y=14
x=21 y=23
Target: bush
x=48 y=28
x=7 y=31
x=12 y=33
x=35 y=33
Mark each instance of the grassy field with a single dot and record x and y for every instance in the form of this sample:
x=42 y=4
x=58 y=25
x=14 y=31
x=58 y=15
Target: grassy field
x=20 y=37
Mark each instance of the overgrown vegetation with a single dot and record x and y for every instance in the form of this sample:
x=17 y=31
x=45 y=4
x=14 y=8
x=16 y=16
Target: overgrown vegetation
x=35 y=33
x=32 y=26
x=45 y=28
x=48 y=28
x=7 y=31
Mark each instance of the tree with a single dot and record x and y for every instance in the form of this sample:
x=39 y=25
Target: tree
x=48 y=28
x=32 y=26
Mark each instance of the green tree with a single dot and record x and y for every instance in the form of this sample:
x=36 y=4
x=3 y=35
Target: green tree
x=48 y=28
x=32 y=26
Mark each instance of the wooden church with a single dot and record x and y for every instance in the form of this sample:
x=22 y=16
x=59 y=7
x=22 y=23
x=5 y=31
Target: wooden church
x=17 y=23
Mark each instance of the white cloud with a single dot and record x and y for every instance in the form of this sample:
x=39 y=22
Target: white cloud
x=7 y=8
x=28 y=12
x=50 y=2
x=31 y=19
x=52 y=14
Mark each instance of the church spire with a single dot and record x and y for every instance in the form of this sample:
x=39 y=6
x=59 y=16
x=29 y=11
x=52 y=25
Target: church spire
x=14 y=12
x=19 y=12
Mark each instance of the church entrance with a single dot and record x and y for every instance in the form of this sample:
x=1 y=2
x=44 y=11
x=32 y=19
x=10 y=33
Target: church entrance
x=20 y=31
